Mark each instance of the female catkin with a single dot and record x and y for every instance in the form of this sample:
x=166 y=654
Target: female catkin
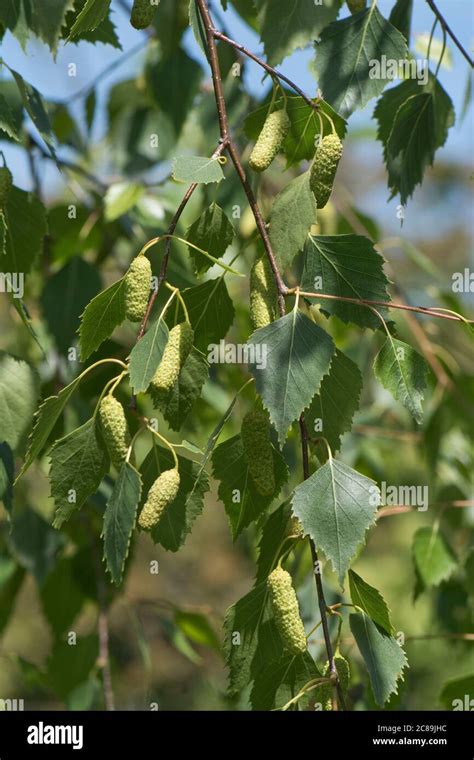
x=115 y=429
x=263 y=294
x=255 y=434
x=286 y=611
x=161 y=494
x=180 y=341
x=270 y=140
x=325 y=692
x=143 y=12
x=323 y=170
x=6 y=183
x=137 y=288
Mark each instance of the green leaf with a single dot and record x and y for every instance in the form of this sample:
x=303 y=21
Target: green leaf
x=64 y=298
x=177 y=522
x=336 y=506
x=91 y=15
x=61 y=597
x=46 y=418
x=300 y=143
x=34 y=107
x=333 y=408
x=197 y=628
x=24 y=224
x=293 y=213
x=371 y=601
x=434 y=559
x=383 y=656
x=283 y=680
x=402 y=371
x=212 y=232
x=48 y=18
x=7 y=476
x=195 y=22
x=413 y=122
x=400 y=17
x=174 y=84
x=270 y=545
x=457 y=693
x=120 y=198
x=345 y=80
x=349 y=266
x=9 y=121
x=100 y=318
x=34 y=543
x=70 y=664
x=79 y=461
x=18 y=399
x=119 y=520
x=211 y=312
x=230 y=467
x=251 y=639
x=197 y=169
x=146 y=355
x=186 y=390
x=287 y=26
x=11 y=578
x=298 y=354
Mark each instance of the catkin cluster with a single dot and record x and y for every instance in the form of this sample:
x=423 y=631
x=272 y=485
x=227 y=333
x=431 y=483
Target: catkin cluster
x=115 y=429
x=143 y=12
x=258 y=451
x=137 y=288
x=180 y=341
x=6 y=182
x=323 y=170
x=270 y=140
x=162 y=493
x=356 y=6
x=263 y=294
x=325 y=692
x=286 y=611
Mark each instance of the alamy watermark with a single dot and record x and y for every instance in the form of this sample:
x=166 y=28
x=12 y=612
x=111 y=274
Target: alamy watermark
x=12 y=282
x=238 y=353
x=408 y=496
x=392 y=68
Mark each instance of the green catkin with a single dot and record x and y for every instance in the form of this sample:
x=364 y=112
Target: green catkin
x=115 y=429
x=286 y=611
x=6 y=183
x=270 y=140
x=162 y=493
x=323 y=170
x=137 y=288
x=143 y=12
x=263 y=294
x=180 y=341
x=356 y=6
x=325 y=692
x=258 y=451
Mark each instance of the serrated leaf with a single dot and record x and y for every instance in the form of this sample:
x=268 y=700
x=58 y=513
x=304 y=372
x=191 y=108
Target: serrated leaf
x=434 y=559
x=293 y=212
x=186 y=390
x=146 y=355
x=24 y=223
x=383 y=656
x=177 y=522
x=270 y=545
x=349 y=266
x=300 y=143
x=199 y=169
x=46 y=418
x=79 y=461
x=371 y=601
x=48 y=18
x=212 y=232
x=283 y=680
x=230 y=467
x=211 y=312
x=287 y=26
x=413 y=122
x=251 y=639
x=90 y=16
x=18 y=399
x=100 y=318
x=345 y=80
x=298 y=354
x=456 y=693
x=336 y=506
x=400 y=17
x=332 y=409
x=8 y=119
x=119 y=520
x=402 y=371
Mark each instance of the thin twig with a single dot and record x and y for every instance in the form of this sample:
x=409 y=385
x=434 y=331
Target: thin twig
x=273 y=72
x=400 y=509
x=449 y=31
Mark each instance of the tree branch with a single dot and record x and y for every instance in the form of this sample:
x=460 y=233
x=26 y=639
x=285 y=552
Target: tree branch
x=450 y=32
